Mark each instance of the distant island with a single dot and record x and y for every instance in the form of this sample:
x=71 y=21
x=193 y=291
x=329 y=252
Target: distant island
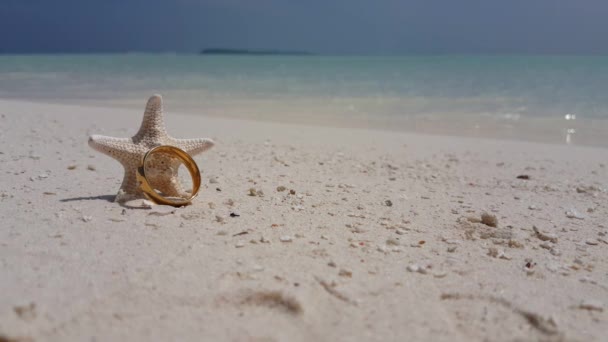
x=221 y=51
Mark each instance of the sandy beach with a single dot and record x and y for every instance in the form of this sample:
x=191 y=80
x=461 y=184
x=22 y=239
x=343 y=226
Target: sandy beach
x=348 y=235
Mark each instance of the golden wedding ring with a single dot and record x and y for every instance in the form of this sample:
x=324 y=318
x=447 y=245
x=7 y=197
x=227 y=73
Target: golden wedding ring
x=188 y=162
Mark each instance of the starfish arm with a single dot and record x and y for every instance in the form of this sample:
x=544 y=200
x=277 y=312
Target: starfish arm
x=152 y=125
x=117 y=148
x=129 y=189
x=194 y=146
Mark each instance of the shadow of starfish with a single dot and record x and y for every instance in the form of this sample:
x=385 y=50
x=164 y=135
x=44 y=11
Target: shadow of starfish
x=109 y=198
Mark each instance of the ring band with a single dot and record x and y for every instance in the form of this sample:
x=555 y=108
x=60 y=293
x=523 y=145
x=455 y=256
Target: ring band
x=188 y=162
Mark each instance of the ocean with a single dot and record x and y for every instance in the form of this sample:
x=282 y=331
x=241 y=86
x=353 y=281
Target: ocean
x=544 y=98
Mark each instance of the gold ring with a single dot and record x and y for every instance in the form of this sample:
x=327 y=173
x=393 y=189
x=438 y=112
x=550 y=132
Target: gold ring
x=188 y=162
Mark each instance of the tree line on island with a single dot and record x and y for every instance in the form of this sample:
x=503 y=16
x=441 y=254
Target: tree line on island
x=261 y=52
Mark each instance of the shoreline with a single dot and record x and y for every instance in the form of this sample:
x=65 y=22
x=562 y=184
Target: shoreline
x=588 y=132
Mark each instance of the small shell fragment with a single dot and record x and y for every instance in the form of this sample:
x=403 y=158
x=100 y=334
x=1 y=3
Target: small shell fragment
x=286 y=238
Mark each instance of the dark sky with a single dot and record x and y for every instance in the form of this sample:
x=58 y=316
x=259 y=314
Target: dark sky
x=321 y=26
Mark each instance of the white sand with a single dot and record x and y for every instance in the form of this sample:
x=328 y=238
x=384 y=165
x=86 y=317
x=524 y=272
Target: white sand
x=76 y=267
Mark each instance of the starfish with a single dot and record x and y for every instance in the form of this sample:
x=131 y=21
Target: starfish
x=130 y=151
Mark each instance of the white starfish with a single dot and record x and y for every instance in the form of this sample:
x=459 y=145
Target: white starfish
x=130 y=151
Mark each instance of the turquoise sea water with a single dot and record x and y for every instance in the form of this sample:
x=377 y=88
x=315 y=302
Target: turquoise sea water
x=313 y=88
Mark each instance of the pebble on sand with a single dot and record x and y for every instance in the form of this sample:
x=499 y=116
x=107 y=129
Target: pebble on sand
x=573 y=213
x=392 y=242
x=489 y=220
x=413 y=268
x=382 y=249
x=253 y=192
x=417 y=268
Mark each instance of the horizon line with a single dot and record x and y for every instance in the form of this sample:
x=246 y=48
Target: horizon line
x=288 y=53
